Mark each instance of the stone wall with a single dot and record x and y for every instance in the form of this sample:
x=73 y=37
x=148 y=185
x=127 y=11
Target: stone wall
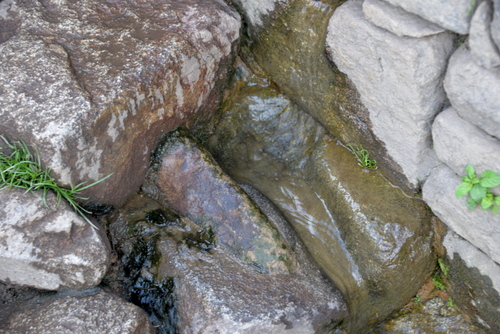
x=429 y=74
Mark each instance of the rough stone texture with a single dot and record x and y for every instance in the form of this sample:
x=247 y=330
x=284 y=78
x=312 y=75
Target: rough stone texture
x=292 y=52
x=214 y=292
x=399 y=80
x=48 y=248
x=458 y=143
x=481 y=228
x=335 y=206
x=495 y=23
x=452 y=15
x=482 y=46
x=258 y=12
x=93 y=311
x=474 y=282
x=473 y=91
x=433 y=316
x=186 y=178
x=397 y=20
x=98 y=82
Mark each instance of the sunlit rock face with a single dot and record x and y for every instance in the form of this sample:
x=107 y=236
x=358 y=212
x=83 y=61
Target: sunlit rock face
x=368 y=236
x=92 y=84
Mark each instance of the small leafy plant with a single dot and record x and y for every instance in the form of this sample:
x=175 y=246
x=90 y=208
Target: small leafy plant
x=363 y=157
x=22 y=169
x=479 y=189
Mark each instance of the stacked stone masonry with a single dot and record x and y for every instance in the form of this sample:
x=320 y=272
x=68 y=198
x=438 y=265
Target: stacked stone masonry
x=429 y=74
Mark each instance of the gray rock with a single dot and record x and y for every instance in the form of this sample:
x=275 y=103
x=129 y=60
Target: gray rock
x=93 y=311
x=48 y=248
x=481 y=228
x=474 y=281
x=495 y=23
x=399 y=80
x=482 y=46
x=258 y=12
x=215 y=292
x=452 y=15
x=458 y=143
x=397 y=20
x=185 y=178
x=473 y=91
x=96 y=84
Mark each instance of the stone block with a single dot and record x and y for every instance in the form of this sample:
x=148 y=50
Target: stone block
x=48 y=247
x=452 y=15
x=397 y=20
x=480 y=228
x=473 y=91
x=482 y=46
x=399 y=80
x=458 y=143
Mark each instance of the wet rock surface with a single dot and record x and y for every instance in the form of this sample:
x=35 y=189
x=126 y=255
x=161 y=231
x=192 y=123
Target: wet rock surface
x=186 y=178
x=378 y=256
x=98 y=82
x=48 y=247
x=210 y=290
x=80 y=312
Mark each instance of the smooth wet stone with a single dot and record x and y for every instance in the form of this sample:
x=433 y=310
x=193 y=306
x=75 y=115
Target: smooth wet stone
x=77 y=312
x=458 y=143
x=397 y=20
x=185 y=178
x=474 y=281
x=292 y=53
x=93 y=85
x=473 y=91
x=482 y=46
x=368 y=237
x=213 y=291
x=481 y=228
x=452 y=15
x=399 y=80
x=51 y=247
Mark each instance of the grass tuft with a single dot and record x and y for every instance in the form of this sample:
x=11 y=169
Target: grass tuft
x=22 y=169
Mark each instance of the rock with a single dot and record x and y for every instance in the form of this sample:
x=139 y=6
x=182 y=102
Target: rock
x=454 y=16
x=97 y=83
x=48 y=248
x=258 y=13
x=495 y=23
x=399 y=80
x=479 y=227
x=334 y=206
x=472 y=91
x=458 y=143
x=432 y=316
x=474 y=282
x=482 y=46
x=292 y=53
x=397 y=20
x=210 y=290
x=187 y=179
x=93 y=311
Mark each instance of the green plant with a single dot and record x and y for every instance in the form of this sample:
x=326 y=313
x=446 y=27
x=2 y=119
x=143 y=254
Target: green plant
x=22 y=169
x=441 y=274
x=479 y=189
x=363 y=157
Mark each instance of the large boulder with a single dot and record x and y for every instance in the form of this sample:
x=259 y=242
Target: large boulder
x=367 y=236
x=48 y=247
x=473 y=91
x=483 y=48
x=399 y=80
x=77 y=312
x=188 y=283
x=93 y=84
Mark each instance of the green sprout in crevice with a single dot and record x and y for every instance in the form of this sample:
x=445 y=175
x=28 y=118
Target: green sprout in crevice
x=479 y=189
x=22 y=169
x=363 y=157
